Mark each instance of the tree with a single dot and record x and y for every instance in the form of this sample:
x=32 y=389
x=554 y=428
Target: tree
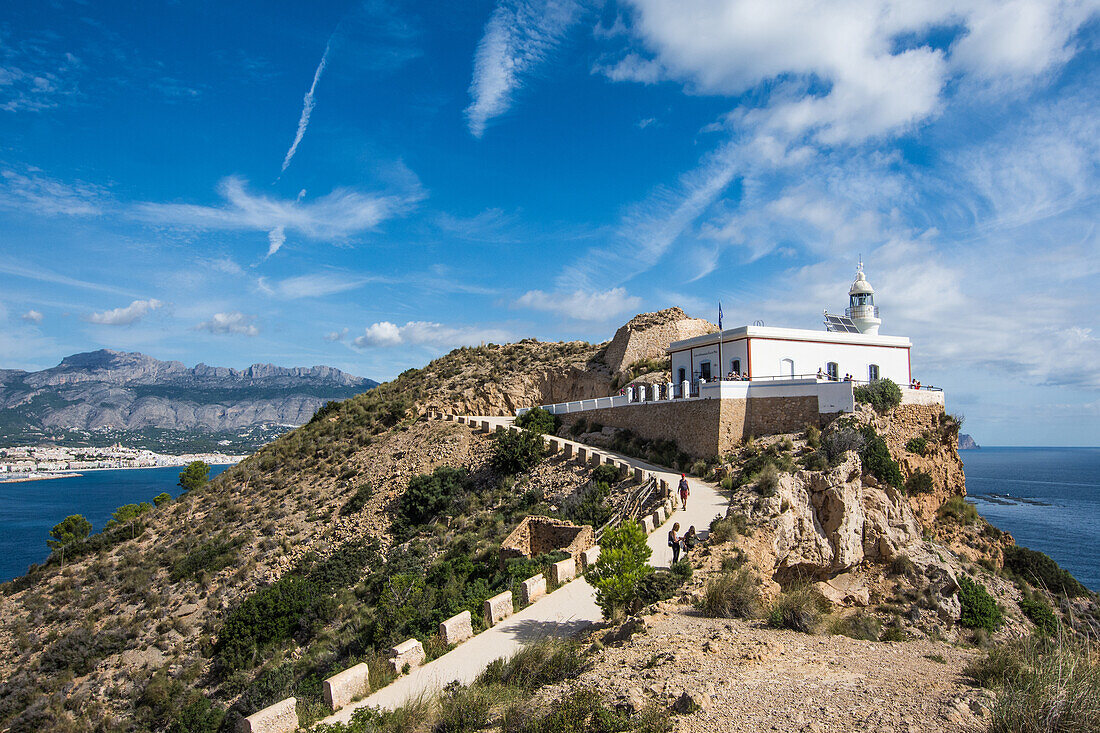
x=126 y=514
x=71 y=529
x=162 y=498
x=623 y=562
x=194 y=476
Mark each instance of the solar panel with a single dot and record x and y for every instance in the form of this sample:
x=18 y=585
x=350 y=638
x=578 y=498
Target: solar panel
x=839 y=324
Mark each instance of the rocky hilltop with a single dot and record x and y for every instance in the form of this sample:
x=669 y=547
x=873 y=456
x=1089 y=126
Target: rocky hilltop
x=133 y=398
x=371 y=524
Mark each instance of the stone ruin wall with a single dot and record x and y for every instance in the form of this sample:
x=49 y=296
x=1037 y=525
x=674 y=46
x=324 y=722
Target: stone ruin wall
x=541 y=535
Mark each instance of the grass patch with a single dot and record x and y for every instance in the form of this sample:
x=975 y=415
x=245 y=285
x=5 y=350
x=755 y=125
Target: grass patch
x=798 y=609
x=731 y=595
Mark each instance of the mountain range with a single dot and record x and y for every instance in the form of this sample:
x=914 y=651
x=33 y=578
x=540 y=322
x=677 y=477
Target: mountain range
x=105 y=397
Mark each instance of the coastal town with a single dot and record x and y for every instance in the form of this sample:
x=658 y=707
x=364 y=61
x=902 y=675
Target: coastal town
x=31 y=463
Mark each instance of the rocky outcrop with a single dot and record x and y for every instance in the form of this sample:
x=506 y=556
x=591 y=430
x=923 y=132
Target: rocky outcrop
x=832 y=521
x=647 y=336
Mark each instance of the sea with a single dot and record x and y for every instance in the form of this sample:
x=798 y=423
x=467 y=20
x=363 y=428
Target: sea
x=30 y=509
x=1047 y=498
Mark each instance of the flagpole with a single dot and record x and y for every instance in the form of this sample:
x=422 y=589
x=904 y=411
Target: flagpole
x=721 y=339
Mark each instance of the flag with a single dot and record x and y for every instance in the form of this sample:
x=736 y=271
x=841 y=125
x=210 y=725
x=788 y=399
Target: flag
x=719 y=315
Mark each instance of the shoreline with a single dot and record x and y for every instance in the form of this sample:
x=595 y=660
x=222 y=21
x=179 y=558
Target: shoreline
x=46 y=476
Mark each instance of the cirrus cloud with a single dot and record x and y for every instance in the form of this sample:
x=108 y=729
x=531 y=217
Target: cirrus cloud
x=580 y=304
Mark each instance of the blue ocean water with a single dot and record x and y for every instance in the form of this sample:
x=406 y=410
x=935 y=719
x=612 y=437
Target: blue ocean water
x=1048 y=498
x=30 y=509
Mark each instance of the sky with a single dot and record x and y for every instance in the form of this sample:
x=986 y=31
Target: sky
x=370 y=184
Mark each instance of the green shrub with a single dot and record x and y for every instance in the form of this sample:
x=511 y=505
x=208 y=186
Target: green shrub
x=857 y=626
x=917 y=445
x=623 y=562
x=1056 y=688
x=466 y=708
x=815 y=461
x=605 y=473
x=429 y=495
x=731 y=595
x=267 y=616
x=162 y=498
x=876 y=459
x=538 y=420
x=515 y=453
x=725 y=529
x=545 y=662
x=882 y=394
x=79 y=651
x=894 y=632
x=358 y=500
x=840 y=441
x=797 y=609
x=767 y=481
x=979 y=609
x=209 y=557
x=194 y=476
x=660 y=585
x=197 y=715
x=958 y=509
x=813 y=436
x=919 y=483
x=1040 y=570
x=1040 y=613
x=592 y=509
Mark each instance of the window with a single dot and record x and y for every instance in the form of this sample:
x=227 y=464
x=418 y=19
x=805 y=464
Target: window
x=833 y=370
x=735 y=367
x=872 y=372
x=704 y=371
x=786 y=368
x=683 y=375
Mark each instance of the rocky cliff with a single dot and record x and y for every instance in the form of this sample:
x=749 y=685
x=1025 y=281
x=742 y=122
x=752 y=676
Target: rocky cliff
x=124 y=394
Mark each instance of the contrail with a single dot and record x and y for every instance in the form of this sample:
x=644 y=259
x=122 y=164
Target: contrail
x=307 y=106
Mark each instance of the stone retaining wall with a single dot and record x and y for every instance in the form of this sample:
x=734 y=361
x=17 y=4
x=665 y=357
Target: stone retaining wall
x=344 y=687
x=706 y=428
x=539 y=535
x=282 y=717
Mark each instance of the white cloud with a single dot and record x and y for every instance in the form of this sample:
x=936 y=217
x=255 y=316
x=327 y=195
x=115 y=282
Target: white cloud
x=233 y=322
x=307 y=109
x=426 y=333
x=520 y=36
x=336 y=335
x=870 y=79
x=32 y=316
x=31 y=190
x=340 y=214
x=124 y=316
x=314 y=286
x=276 y=238
x=582 y=305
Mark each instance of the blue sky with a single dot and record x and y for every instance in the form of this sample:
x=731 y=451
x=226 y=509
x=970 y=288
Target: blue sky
x=370 y=184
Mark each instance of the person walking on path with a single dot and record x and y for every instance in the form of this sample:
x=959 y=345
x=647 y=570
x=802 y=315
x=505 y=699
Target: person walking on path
x=684 y=491
x=674 y=542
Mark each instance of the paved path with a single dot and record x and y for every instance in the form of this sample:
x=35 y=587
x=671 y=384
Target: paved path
x=564 y=612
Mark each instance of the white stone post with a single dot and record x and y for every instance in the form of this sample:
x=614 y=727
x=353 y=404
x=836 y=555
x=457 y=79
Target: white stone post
x=685 y=389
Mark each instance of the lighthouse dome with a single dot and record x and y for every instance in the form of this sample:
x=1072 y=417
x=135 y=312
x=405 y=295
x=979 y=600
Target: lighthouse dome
x=861 y=286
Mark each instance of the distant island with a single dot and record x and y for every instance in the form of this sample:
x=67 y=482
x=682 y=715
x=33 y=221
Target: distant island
x=105 y=398
x=967 y=443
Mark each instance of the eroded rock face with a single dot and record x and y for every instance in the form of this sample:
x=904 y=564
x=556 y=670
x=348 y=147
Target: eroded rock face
x=834 y=521
x=646 y=336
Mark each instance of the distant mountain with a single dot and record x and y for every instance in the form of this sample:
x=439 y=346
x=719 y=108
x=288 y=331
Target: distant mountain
x=104 y=397
x=967 y=443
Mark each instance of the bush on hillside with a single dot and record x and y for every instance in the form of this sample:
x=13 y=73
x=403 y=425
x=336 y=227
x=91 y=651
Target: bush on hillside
x=919 y=483
x=725 y=529
x=267 y=616
x=917 y=445
x=545 y=662
x=798 y=609
x=767 y=480
x=358 y=500
x=731 y=595
x=1040 y=613
x=1040 y=570
x=958 y=509
x=538 y=420
x=882 y=394
x=858 y=625
x=605 y=473
x=979 y=609
x=209 y=557
x=515 y=453
x=660 y=585
x=623 y=562
x=428 y=495
x=876 y=459
x=839 y=442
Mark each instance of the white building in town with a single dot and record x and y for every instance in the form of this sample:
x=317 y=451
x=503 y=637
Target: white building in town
x=849 y=345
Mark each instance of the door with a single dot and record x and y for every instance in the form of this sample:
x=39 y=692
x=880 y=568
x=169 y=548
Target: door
x=704 y=371
x=786 y=368
x=833 y=370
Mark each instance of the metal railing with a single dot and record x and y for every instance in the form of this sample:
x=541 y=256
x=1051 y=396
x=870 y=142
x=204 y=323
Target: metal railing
x=861 y=309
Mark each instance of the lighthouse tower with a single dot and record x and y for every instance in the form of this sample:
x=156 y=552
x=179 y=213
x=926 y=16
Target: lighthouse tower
x=861 y=304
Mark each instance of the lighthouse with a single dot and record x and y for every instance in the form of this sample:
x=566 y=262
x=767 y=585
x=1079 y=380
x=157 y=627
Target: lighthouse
x=861 y=304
